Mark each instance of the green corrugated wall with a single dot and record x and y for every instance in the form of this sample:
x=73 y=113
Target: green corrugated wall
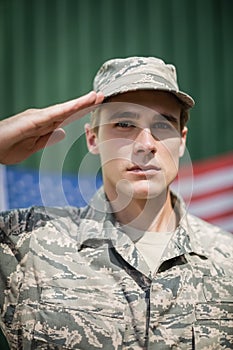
x=51 y=49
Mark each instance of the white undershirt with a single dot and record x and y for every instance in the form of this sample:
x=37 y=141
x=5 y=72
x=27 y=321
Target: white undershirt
x=151 y=245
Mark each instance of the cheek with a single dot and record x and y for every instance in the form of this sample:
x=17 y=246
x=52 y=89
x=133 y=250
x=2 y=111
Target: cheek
x=169 y=153
x=114 y=149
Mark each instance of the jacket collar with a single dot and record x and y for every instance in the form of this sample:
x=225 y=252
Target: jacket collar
x=98 y=224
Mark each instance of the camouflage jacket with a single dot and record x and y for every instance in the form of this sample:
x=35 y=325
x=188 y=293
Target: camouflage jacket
x=70 y=279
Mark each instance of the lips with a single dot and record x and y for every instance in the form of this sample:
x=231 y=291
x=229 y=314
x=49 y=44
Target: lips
x=144 y=169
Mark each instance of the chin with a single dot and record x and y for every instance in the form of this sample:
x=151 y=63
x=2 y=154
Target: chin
x=147 y=192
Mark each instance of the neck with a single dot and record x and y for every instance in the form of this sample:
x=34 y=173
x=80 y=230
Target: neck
x=155 y=214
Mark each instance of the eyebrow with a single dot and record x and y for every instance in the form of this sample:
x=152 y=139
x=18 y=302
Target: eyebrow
x=123 y=115
x=170 y=118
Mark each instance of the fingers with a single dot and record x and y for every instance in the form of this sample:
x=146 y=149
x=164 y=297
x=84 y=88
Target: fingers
x=99 y=98
x=73 y=110
x=33 y=129
x=64 y=110
x=58 y=114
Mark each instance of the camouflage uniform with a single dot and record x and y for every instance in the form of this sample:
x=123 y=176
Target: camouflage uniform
x=70 y=279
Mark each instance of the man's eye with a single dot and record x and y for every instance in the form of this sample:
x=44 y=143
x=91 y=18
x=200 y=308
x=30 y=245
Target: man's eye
x=124 y=124
x=162 y=125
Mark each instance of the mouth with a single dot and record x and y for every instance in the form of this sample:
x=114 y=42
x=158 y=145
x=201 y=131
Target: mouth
x=145 y=170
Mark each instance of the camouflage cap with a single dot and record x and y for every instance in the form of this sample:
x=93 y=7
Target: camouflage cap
x=139 y=73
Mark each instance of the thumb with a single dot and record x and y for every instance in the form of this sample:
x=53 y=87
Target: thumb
x=56 y=136
x=49 y=139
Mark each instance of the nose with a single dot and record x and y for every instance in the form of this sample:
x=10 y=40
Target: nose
x=145 y=142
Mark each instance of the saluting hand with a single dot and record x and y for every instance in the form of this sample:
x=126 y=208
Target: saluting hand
x=27 y=132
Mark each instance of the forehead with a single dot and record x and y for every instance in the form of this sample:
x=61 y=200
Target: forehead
x=160 y=101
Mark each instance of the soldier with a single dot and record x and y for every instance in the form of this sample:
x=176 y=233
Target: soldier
x=132 y=270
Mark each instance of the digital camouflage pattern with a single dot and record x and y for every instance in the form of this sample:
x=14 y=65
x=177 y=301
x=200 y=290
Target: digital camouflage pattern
x=120 y=75
x=70 y=279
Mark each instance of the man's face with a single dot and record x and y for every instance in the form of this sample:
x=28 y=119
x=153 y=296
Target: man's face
x=139 y=141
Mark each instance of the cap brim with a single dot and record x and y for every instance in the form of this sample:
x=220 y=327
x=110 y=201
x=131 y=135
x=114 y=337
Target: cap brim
x=134 y=83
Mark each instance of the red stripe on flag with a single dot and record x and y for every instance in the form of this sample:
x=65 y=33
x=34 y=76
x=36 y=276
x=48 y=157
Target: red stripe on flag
x=212 y=164
x=225 y=214
x=212 y=194
x=209 y=184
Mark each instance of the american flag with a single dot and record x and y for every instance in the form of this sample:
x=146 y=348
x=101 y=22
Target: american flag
x=207 y=189
x=206 y=186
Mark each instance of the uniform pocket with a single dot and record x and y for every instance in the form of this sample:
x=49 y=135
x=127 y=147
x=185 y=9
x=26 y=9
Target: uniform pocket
x=94 y=301
x=78 y=319
x=213 y=328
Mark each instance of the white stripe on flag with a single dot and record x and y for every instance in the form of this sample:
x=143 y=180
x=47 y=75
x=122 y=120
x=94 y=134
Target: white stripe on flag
x=209 y=207
x=208 y=182
x=207 y=189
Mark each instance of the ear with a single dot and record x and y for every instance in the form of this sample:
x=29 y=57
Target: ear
x=183 y=141
x=91 y=139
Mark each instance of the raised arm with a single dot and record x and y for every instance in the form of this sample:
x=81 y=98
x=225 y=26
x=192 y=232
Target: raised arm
x=27 y=132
